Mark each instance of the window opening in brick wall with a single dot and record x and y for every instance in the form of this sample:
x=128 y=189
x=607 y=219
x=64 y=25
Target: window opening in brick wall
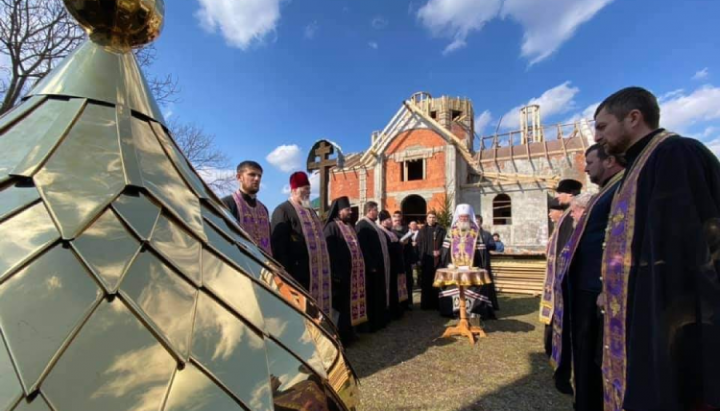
x=502 y=210
x=456 y=114
x=412 y=170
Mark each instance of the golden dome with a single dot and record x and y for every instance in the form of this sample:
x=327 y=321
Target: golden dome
x=120 y=24
x=125 y=284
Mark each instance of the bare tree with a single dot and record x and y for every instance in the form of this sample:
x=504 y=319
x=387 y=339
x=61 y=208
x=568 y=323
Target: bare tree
x=199 y=147
x=164 y=88
x=35 y=35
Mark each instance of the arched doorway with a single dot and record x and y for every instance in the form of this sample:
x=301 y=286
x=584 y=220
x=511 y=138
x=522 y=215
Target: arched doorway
x=414 y=208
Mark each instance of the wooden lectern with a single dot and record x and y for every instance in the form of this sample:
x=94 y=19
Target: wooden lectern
x=462 y=277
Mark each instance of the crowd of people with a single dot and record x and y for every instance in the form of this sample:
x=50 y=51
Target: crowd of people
x=362 y=275
x=631 y=299
x=632 y=288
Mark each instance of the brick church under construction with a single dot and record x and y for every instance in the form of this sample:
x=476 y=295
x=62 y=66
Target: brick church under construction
x=428 y=157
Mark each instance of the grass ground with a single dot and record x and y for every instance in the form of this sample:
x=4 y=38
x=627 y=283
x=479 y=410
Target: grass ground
x=405 y=366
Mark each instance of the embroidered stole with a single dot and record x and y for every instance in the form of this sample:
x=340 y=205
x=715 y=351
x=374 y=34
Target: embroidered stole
x=564 y=260
x=401 y=278
x=312 y=228
x=616 y=267
x=547 y=302
x=358 y=308
x=463 y=245
x=254 y=220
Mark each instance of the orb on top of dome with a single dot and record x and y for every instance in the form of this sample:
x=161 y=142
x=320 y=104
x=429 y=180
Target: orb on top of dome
x=119 y=24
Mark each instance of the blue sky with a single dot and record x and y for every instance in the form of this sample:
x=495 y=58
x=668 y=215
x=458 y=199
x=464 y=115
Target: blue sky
x=263 y=74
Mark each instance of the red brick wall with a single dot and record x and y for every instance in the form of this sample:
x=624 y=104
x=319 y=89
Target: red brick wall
x=370 y=183
x=348 y=183
x=458 y=130
x=436 y=202
x=345 y=184
x=434 y=166
x=391 y=205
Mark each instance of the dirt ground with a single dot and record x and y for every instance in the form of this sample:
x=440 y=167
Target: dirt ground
x=406 y=367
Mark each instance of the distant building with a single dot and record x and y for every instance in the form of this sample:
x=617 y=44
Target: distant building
x=426 y=154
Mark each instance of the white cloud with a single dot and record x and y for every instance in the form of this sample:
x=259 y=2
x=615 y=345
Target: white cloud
x=670 y=95
x=557 y=100
x=587 y=114
x=311 y=29
x=373 y=45
x=168 y=111
x=546 y=24
x=696 y=114
x=482 y=121
x=683 y=111
x=714 y=146
x=314 y=185
x=241 y=22
x=286 y=158
x=457 y=18
x=457 y=44
x=709 y=131
x=379 y=22
x=549 y=24
x=702 y=74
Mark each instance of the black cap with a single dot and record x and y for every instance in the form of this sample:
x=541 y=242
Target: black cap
x=384 y=215
x=337 y=205
x=569 y=186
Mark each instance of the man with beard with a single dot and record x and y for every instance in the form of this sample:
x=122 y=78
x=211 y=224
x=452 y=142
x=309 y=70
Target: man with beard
x=408 y=253
x=581 y=262
x=251 y=214
x=467 y=242
x=661 y=264
x=298 y=242
x=564 y=193
x=377 y=283
x=348 y=269
x=429 y=243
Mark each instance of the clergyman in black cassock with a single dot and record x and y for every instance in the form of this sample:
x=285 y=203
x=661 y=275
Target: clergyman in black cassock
x=341 y=261
x=297 y=234
x=375 y=282
x=408 y=255
x=288 y=243
x=429 y=244
x=566 y=190
x=397 y=266
x=585 y=249
x=250 y=213
x=662 y=302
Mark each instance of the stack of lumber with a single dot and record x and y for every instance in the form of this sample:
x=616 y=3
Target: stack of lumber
x=519 y=273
